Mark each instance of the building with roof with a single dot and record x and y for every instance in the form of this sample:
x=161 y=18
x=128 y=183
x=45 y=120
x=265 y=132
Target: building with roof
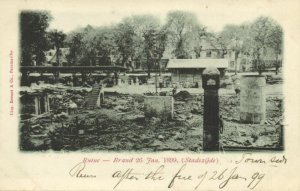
x=51 y=57
x=190 y=70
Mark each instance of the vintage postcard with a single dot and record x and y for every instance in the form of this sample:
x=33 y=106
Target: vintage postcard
x=150 y=95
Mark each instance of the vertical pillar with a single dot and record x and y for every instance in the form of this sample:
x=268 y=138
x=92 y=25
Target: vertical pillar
x=281 y=134
x=119 y=81
x=24 y=78
x=39 y=106
x=101 y=98
x=56 y=76
x=83 y=77
x=211 y=84
x=47 y=106
x=36 y=105
x=136 y=81
x=253 y=99
x=37 y=101
x=116 y=78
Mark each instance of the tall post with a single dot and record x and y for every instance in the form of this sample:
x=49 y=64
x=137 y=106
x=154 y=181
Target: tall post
x=156 y=78
x=211 y=84
x=281 y=134
x=235 y=57
x=56 y=76
x=155 y=82
x=116 y=78
x=83 y=77
x=24 y=78
x=159 y=65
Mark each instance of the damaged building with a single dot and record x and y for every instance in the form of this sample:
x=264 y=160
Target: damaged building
x=34 y=103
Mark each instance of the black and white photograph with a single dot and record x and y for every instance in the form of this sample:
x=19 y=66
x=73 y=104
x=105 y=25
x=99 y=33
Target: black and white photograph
x=148 y=82
x=149 y=95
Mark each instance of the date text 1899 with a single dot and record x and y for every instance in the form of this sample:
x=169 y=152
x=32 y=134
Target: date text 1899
x=170 y=160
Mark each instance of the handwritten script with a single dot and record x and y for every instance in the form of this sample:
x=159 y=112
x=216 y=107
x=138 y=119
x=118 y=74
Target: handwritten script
x=186 y=173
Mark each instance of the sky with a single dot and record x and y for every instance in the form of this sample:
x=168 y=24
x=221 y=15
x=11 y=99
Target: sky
x=214 y=16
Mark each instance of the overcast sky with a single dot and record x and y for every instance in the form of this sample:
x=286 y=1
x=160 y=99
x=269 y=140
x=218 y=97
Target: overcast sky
x=213 y=16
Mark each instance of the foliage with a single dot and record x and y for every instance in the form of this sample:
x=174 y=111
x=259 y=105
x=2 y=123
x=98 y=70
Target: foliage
x=91 y=46
x=266 y=33
x=143 y=40
x=75 y=43
x=57 y=40
x=33 y=25
x=124 y=40
x=256 y=39
x=182 y=26
x=155 y=44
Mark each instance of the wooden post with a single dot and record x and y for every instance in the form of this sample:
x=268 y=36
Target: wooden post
x=211 y=84
x=83 y=77
x=116 y=78
x=56 y=76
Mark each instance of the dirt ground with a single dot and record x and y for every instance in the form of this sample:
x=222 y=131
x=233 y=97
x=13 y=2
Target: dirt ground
x=120 y=125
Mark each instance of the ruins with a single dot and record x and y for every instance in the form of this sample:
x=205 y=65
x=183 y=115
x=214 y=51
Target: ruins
x=131 y=116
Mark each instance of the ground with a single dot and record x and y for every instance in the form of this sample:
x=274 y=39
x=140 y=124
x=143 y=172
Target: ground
x=120 y=125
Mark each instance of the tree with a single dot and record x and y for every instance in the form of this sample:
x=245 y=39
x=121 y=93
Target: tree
x=155 y=43
x=91 y=46
x=105 y=45
x=34 y=36
x=265 y=33
x=275 y=42
x=57 y=39
x=199 y=32
x=99 y=45
x=132 y=44
x=124 y=39
x=232 y=37
x=257 y=39
x=230 y=32
x=89 y=52
x=162 y=39
x=150 y=46
x=181 y=25
x=82 y=46
x=75 y=43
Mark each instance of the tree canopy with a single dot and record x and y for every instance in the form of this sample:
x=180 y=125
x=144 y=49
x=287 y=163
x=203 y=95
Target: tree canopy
x=257 y=39
x=57 y=39
x=144 y=40
x=183 y=29
x=34 y=42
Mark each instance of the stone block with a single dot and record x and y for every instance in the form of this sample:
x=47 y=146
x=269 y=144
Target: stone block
x=253 y=99
x=159 y=106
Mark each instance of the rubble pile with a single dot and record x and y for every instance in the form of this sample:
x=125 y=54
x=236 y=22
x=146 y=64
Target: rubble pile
x=229 y=107
x=120 y=124
x=274 y=107
x=251 y=135
x=60 y=101
x=183 y=96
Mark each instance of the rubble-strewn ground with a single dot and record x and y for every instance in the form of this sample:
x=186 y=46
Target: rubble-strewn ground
x=120 y=124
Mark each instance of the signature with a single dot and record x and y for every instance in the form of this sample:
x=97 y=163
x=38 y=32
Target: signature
x=274 y=161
